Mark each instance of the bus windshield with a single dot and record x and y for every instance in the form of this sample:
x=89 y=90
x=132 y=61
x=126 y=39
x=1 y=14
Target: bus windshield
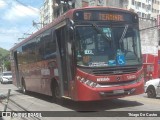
x=103 y=45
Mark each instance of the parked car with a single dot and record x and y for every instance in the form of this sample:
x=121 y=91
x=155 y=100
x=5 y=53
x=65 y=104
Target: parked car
x=6 y=77
x=152 y=88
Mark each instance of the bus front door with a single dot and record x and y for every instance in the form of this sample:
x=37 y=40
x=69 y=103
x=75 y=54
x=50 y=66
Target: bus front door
x=62 y=61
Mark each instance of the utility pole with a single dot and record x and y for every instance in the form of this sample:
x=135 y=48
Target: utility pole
x=35 y=24
x=27 y=34
x=20 y=39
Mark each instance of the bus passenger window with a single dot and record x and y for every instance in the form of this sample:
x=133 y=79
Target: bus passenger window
x=50 y=47
x=39 y=48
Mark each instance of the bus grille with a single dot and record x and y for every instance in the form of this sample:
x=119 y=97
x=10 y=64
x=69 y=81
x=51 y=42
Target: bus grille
x=119 y=83
x=115 y=71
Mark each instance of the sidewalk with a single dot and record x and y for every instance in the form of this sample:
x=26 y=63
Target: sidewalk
x=2 y=99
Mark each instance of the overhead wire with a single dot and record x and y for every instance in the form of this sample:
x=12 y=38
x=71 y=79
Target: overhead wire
x=25 y=5
x=31 y=30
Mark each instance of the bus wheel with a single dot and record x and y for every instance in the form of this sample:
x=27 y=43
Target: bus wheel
x=56 y=94
x=151 y=93
x=24 y=91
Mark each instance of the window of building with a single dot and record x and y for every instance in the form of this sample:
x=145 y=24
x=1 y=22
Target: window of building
x=148 y=16
x=149 y=7
x=143 y=15
x=139 y=14
x=133 y=1
x=139 y=4
x=136 y=5
x=147 y=1
x=143 y=6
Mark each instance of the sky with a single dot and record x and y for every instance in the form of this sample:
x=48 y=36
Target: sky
x=16 y=17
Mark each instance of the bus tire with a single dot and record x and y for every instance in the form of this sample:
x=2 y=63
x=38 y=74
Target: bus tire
x=24 y=91
x=56 y=98
x=151 y=93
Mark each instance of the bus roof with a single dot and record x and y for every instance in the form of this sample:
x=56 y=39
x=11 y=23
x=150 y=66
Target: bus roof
x=68 y=14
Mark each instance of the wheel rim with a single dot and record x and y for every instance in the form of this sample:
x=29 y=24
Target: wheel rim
x=150 y=93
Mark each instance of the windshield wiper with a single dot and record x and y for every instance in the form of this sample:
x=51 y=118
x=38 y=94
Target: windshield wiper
x=101 y=32
x=124 y=33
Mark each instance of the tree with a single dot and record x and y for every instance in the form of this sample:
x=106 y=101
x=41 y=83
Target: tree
x=7 y=65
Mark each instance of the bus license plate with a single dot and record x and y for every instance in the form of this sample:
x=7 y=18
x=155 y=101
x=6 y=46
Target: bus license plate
x=118 y=91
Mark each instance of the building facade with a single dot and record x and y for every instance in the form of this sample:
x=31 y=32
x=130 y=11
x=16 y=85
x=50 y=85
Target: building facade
x=51 y=9
x=46 y=12
x=142 y=7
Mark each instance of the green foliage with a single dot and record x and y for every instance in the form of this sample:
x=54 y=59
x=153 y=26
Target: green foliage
x=3 y=53
x=4 y=59
x=7 y=65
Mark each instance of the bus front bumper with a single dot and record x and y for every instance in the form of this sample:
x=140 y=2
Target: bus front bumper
x=118 y=92
x=86 y=93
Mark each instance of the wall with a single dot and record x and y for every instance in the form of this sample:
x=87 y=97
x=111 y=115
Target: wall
x=149 y=37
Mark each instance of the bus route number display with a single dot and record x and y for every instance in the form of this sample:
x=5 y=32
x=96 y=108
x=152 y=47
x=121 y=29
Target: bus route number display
x=104 y=16
x=87 y=16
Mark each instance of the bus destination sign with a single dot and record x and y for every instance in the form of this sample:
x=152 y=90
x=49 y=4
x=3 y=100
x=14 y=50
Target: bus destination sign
x=111 y=17
x=104 y=16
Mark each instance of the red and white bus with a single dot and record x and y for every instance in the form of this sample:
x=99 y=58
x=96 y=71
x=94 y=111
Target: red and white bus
x=86 y=54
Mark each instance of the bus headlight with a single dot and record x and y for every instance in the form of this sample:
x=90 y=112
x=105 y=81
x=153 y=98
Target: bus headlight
x=87 y=82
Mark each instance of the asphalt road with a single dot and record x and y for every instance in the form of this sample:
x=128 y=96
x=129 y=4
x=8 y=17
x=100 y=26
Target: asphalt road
x=135 y=106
